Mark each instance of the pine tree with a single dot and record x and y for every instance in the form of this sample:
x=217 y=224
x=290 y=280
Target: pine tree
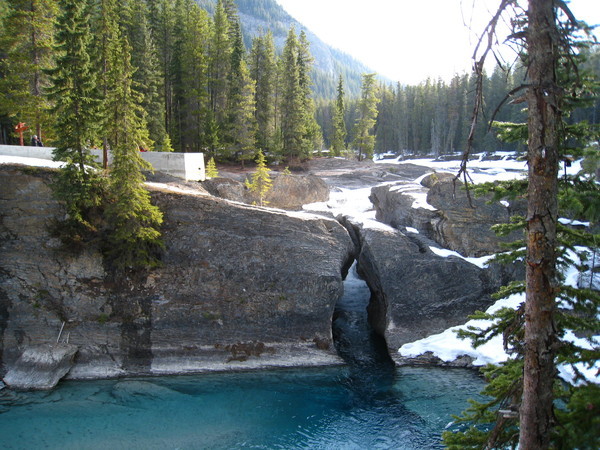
x=313 y=138
x=211 y=169
x=219 y=69
x=529 y=406
x=76 y=104
x=161 y=18
x=338 y=141
x=293 y=123
x=261 y=180
x=364 y=140
x=26 y=41
x=133 y=237
x=144 y=57
x=263 y=70
x=243 y=126
x=105 y=30
x=190 y=75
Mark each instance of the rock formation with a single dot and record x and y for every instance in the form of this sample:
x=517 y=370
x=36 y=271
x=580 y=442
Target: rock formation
x=239 y=287
x=41 y=366
x=288 y=192
x=450 y=219
x=416 y=293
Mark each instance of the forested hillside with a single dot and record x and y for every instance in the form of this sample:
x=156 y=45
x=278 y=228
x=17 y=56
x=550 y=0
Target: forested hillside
x=259 y=16
x=230 y=82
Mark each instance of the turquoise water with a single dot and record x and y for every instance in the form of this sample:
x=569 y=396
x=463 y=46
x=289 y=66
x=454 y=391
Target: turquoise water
x=368 y=404
x=300 y=408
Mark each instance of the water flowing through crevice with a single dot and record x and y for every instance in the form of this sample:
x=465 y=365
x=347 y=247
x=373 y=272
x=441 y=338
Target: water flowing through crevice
x=355 y=339
x=365 y=352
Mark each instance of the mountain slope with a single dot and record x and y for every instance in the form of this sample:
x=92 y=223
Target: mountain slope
x=258 y=16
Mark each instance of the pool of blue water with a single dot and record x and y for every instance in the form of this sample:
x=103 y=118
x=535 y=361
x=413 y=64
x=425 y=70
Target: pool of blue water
x=367 y=404
x=300 y=408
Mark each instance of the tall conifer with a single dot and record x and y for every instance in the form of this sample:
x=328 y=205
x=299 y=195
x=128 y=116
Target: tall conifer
x=133 y=236
x=293 y=123
x=243 y=126
x=76 y=104
x=144 y=57
x=263 y=70
x=364 y=140
x=338 y=141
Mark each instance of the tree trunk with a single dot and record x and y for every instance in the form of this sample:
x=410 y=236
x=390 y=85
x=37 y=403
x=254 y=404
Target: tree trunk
x=536 y=415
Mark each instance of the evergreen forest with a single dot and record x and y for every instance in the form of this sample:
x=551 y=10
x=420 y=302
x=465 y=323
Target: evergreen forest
x=208 y=78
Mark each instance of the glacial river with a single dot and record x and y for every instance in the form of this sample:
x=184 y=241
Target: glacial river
x=367 y=404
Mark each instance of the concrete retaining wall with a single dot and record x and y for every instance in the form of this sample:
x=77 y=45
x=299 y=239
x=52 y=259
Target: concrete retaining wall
x=189 y=166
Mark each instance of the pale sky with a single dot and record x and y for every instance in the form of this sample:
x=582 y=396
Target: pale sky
x=408 y=40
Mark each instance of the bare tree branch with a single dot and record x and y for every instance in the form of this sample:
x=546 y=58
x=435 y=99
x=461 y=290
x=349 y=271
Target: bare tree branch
x=487 y=38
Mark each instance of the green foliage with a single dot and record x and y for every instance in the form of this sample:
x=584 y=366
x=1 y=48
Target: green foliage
x=76 y=103
x=211 y=169
x=580 y=419
x=243 y=124
x=26 y=40
x=474 y=429
x=133 y=237
x=338 y=142
x=364 y=137
x=261 y=180
x=263 y=70
x=293 y=113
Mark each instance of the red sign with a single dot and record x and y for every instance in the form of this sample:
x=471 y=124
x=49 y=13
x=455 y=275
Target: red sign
x=19 y=128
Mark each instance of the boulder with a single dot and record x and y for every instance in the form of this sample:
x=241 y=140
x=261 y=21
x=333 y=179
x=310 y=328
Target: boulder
x=415 y=292
x=445 y=214
x=292 y=191
x=227 y=188
x=432 y=178
x=41 y=367
x=465 y=225
x=239 y=287
x=288 y=192
x=395 y=205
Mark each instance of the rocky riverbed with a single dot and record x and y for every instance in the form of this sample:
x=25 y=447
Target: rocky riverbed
x=240 y=286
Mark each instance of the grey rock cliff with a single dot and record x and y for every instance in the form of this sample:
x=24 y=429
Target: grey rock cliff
x=240 y=287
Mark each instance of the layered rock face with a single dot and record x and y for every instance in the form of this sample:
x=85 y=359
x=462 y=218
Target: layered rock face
x=453 y=221
x=240 y=287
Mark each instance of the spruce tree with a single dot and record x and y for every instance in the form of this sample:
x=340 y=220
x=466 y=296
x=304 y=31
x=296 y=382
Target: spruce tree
x=161 y=18
x=133 y=236
x=528 y=405
x=76 y=103
x=261 y=182
x=190 y=75
x=26 y=40
x=364 y=140
x=243 y=126
x=211 y=169
x=312 y=139
x=338 y=141
x=105 y=30
x=293 y=119
x=263 y=70
x=144 y=57
x=219 y=68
